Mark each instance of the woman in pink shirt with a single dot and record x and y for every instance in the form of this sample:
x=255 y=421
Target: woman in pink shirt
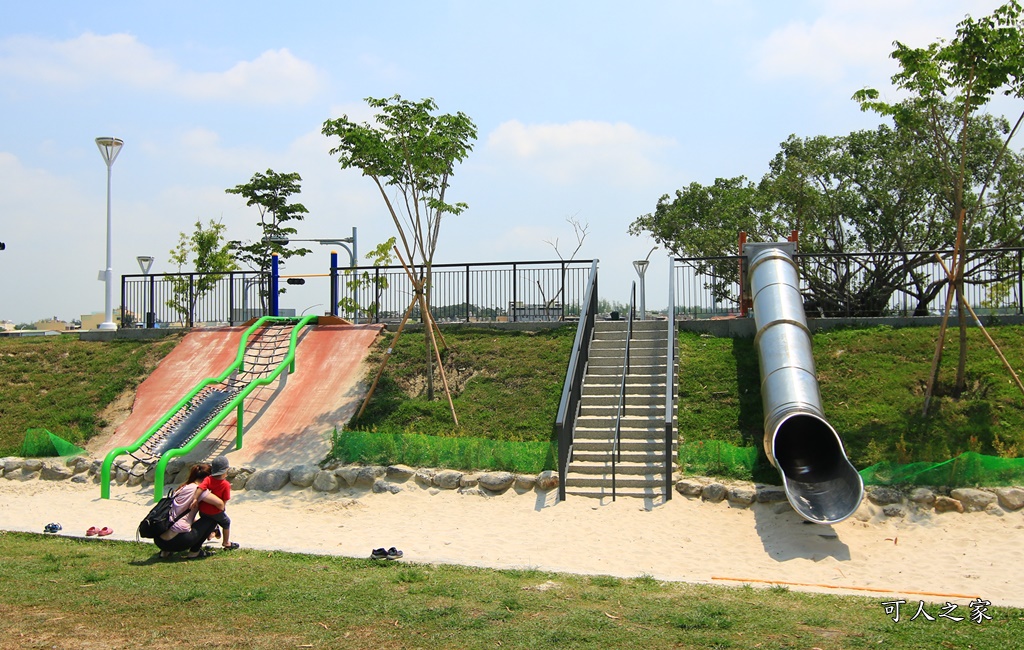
x=186 y=533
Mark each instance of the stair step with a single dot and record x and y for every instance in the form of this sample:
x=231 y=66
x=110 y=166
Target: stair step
x=646 y=457
x=655 y=481
x=620 y=492
x=638 y=399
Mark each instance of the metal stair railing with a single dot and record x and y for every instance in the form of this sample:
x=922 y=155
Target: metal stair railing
x=616 y=446
x=670 y=377
x=568 y=407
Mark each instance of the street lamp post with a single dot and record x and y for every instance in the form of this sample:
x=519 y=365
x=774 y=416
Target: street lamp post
x=109 y=148
x=641 y=269
x=146 y=263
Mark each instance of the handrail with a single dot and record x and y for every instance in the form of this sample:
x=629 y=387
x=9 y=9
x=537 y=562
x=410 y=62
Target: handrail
x=568 y=407
x=670 y=376
x=616 y=445
x=158 y=478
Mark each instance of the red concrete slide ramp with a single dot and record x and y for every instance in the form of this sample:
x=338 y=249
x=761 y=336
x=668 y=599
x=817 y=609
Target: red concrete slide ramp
x=287 y=422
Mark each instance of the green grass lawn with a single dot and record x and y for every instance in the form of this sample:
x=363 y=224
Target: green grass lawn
x=507 y=384
x=62 y=384
x=872 y=384
x=78 y=593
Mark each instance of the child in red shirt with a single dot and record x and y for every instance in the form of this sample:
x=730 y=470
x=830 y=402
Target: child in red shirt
x=217 y=483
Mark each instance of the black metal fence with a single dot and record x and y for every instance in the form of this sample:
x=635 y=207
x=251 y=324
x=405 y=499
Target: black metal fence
x=862 y=284
x=191 y=299
x=475 y=292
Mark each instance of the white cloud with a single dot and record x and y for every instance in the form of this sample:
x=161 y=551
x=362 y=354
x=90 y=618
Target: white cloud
x=618 y=153
x=855 y=39
x=93 y=60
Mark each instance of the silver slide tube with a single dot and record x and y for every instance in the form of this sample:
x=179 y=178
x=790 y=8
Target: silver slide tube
x=820 y=482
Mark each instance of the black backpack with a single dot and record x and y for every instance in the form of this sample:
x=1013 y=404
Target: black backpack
x=158 y=520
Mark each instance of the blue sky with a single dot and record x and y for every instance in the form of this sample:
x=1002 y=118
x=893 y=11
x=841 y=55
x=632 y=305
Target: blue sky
x=586 y=109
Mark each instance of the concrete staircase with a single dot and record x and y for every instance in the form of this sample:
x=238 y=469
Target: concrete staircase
x=640 y=472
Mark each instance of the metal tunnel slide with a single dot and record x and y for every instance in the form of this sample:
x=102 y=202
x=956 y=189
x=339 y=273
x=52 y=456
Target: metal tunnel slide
x=820 y=482
x=197 y=414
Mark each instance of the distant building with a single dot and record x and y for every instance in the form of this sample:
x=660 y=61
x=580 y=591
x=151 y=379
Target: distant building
x=51 y=325
x=92 y=321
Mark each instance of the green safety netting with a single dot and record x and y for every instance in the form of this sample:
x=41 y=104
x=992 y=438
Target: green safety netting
x=40 y=443
x=420 y=450
x=967 y=469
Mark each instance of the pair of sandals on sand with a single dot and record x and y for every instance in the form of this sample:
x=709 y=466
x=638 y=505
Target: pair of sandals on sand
x=99 y=532
x=386 y=554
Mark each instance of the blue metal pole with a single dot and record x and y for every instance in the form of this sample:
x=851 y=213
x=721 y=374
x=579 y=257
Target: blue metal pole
x=274 y=279
x=334 y=283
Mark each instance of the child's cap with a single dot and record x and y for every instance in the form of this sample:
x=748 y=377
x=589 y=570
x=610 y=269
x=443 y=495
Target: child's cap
x=220 y=466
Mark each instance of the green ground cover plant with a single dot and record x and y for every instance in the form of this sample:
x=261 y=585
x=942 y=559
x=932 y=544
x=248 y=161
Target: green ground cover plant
x=84 y=593
x=62 y=384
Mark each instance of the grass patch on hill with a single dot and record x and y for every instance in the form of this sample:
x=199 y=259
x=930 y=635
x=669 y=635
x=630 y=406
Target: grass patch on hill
x=79 y=593
x=506 y=385
x=63 y=384
x=872 y=384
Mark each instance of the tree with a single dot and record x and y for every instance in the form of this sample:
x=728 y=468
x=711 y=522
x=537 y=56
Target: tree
x=360 y=283
x=270 y=193
x=985 y=56
x=209 y=256
x=870 y=191
x=410 y=155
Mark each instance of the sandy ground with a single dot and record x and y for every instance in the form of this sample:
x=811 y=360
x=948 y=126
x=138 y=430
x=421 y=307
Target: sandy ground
x=937 y=558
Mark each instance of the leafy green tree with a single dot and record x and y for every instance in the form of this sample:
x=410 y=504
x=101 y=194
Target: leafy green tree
x=985 y=57
x=270 y=193
x=366 y=288
x=869 y=191
x=410 y=155
x=209 y=257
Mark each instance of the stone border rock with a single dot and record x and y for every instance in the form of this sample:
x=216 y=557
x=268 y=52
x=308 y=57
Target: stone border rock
x=879 y=501
x=330 y=478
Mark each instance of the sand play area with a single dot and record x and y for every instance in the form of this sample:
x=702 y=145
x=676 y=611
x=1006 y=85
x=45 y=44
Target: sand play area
x=932 y=557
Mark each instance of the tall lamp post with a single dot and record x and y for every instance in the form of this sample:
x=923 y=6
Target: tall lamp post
x=641 y=269
x=146 y=263
x=109 y=148
x=641 y=266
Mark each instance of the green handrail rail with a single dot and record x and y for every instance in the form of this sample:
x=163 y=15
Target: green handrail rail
x=236 y=402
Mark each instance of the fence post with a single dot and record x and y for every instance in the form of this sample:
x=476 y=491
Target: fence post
x=1020 y=283
x=151 y=312
x=467 y=293
x=191 y=298
x=123 y=295
x=512 y=307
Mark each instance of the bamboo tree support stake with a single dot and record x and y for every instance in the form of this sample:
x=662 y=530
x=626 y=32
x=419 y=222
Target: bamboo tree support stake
x=985 y=331
x=430 y=324
x=387 y=357
x=941 y=343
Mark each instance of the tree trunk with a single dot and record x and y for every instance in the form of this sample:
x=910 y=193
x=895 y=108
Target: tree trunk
x=427 y=347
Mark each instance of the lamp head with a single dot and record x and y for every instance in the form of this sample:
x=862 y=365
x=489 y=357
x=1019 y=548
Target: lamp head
x=145 y=263
x=109 y=148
